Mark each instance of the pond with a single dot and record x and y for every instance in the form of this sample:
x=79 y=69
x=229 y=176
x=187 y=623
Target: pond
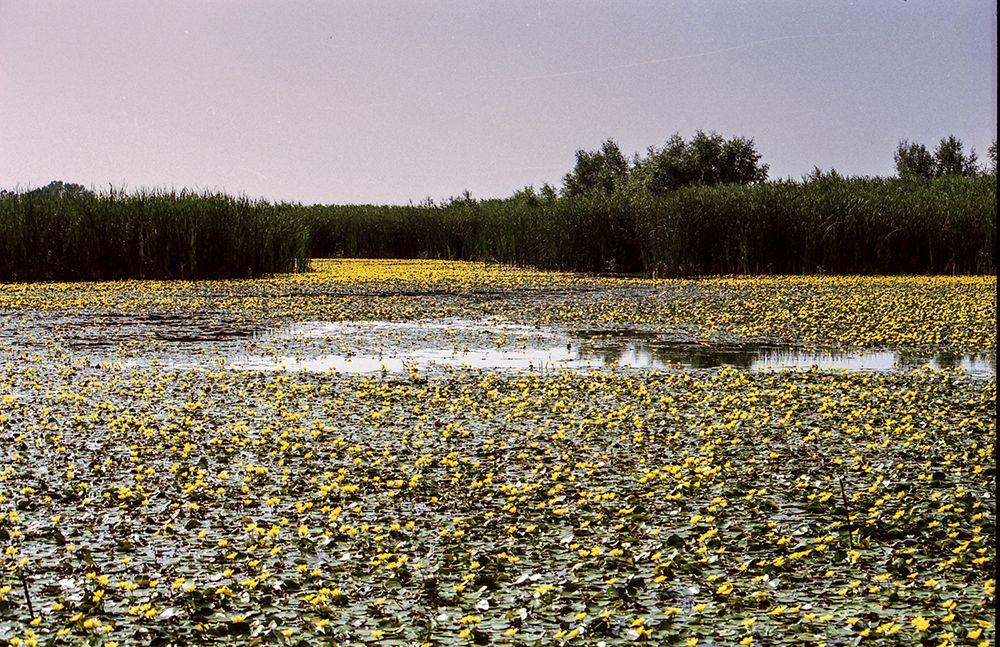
x=467 y=344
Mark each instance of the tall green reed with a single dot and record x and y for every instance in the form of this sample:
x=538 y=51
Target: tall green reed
x=830 y=224
x=115 y=235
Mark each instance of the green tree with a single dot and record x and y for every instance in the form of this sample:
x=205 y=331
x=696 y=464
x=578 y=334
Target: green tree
x=707 y=159
x=950 y=158
x=819 y=175
x=914 y=160
x=59 y=188
x=666 y=168
x=740 y=162
x=601 y=171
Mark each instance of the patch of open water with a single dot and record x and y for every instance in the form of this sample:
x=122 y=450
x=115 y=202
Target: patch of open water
x=423 y=346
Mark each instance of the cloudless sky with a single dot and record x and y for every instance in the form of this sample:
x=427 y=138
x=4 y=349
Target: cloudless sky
x=394 y=101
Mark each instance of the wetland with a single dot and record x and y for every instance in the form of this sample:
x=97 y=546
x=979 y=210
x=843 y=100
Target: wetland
x=407 y=452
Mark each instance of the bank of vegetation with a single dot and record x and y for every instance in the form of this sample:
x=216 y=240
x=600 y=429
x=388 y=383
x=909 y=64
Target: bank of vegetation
x=67 y=233
x=830 y=224
x=695 y=207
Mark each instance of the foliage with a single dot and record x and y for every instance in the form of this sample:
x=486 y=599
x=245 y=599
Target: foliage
x=708 y=159
x=602 y=171
x=834 y=225
x=949 y=158
x=63 y=231
x=825 y=224
x=689 y=208
x=60 y=188
x=146 y=502
x=914 y=160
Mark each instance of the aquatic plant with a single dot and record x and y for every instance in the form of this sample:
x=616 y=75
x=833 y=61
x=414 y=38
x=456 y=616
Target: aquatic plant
x=148 y=502
x=840 y=311
x=160 y=505
x=79 y=235
x=830 y=225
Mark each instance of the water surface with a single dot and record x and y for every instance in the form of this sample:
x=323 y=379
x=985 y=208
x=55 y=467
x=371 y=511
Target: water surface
x=457 y=344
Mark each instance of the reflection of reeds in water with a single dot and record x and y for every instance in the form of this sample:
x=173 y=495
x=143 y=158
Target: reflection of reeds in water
x=642 y=353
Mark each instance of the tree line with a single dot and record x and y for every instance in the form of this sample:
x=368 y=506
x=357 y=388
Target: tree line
x=709 y=159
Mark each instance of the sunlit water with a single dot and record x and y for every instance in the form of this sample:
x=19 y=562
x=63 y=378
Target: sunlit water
x=424 y=346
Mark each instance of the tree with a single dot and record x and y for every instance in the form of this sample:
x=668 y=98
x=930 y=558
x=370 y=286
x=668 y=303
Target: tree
x=528 y=195
x=950 y=158
x=532 y=197
x=819 y=175
x=667 y=168
x=991 y=152
x=740 y=162
x=548 y=192
x=465 y=198
x=707 y=159
x=59 y=188
x=601 y=171
x=914 y=160
x=705 y=153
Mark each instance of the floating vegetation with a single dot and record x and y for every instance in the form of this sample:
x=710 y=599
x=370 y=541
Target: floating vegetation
x=958 y=313
x=146 y=503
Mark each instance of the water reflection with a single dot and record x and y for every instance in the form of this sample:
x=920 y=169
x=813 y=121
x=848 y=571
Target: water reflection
x=640 y=352
x=545 y=349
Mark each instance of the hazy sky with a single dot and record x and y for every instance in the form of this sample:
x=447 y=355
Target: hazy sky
x=392 y=101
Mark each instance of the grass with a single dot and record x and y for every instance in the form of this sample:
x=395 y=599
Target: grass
x=828 y=225
x=146 y=235
x=836 y=226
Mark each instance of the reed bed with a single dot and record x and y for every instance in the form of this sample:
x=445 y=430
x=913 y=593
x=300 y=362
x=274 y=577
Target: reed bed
x=828 y=225
x=154 y=235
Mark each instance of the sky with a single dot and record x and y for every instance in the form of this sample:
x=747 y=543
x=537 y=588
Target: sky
x=388 y=102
